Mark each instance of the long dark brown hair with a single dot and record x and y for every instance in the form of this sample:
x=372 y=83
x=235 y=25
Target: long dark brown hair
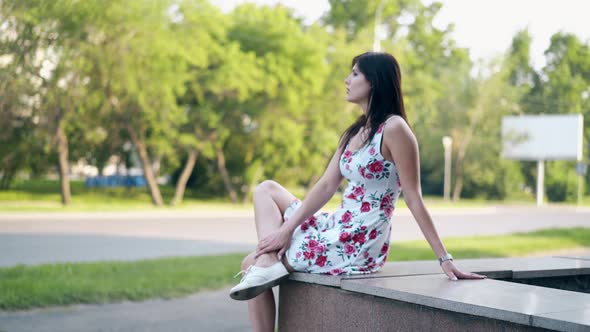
x=382 y=71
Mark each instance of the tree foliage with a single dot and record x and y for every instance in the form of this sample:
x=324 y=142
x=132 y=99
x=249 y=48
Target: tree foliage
x=225 y=100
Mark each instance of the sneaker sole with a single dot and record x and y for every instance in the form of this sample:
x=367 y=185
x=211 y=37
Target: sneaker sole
x=252 y=292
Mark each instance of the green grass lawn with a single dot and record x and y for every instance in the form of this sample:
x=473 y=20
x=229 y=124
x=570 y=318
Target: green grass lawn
x=43 y=196
x=25 y=287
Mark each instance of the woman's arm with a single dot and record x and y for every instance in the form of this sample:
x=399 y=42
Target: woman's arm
x=400 y=144
x=319 y=195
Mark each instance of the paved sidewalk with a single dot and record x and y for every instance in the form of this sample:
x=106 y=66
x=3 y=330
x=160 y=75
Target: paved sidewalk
x=205 y=311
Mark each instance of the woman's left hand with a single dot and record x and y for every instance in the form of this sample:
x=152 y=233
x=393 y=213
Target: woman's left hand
x=453 y=272
x=276 y=241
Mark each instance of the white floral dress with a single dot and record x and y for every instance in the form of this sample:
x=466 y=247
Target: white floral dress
x=355 y=238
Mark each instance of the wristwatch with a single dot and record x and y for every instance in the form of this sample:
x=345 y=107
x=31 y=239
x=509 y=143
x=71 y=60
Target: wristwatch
x=445 y=257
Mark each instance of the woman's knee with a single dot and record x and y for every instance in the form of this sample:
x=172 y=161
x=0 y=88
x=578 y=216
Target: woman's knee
x=281 y=196
x=266 y=187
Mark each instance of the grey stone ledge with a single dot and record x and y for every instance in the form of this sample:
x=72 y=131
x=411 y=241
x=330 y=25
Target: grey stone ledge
x=423 y=283
x=571 y=320
x=517 y=303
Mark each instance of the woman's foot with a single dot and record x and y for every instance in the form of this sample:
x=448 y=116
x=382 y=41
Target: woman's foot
x=258 y=279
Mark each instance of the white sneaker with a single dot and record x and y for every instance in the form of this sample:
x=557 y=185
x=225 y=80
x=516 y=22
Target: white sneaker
x=258 y=279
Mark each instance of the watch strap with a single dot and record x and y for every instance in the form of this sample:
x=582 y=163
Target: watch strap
x=445 y=257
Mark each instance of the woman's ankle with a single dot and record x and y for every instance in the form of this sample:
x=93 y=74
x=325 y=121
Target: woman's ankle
x=266 y=260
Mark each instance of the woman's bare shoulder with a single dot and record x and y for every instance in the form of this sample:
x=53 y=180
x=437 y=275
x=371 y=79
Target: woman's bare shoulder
x=396 y=126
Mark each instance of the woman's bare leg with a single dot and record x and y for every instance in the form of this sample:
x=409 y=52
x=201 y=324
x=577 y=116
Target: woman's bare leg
x=270 y=202
x=261 y=309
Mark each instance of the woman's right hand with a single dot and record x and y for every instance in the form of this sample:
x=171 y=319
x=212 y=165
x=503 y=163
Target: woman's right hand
x=454 y=273
x=276 y=241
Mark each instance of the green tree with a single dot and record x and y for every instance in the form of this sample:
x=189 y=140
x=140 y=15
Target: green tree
x=563 y=88
x=254 y=106
x=139 y=67
x=46 y=38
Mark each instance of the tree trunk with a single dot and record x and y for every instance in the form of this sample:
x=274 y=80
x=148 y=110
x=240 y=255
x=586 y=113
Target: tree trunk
x=459 y=166
x=7 y=177
x=7 y=170
x=458 y=177
x=148 y=173
x=64 y=176
x=156 y=166
x=224 y=174
x=184 y=176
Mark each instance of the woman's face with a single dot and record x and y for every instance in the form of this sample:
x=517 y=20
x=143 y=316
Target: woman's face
x=357 y=87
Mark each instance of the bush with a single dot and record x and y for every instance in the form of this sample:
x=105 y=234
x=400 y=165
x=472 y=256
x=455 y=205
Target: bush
x=561 y=181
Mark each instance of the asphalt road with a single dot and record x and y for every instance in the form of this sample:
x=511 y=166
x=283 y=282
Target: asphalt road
x=36 y=238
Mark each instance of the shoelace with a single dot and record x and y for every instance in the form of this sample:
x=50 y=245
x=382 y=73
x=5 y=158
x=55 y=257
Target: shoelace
x=244 y=272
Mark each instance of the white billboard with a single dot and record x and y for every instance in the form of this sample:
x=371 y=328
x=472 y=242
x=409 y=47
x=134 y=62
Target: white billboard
x=542 y=137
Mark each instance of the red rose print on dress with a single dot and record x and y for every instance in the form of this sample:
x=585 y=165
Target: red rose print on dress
x=372 y=151
x=358 y=191
x=312 y=221
x=304 y=227
x=386 y=201
x=366 y=254
x=373 y=234
x=346 y=217
x=308 y=255
x=349 y=249
x=336 y=272
x=359 y=238
x=320 y=249
x=321 y=261
x=385 y=248
x=366 y=207
x=345 y=237
x=388 y=212
x=376 y=166
x=312 y=244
